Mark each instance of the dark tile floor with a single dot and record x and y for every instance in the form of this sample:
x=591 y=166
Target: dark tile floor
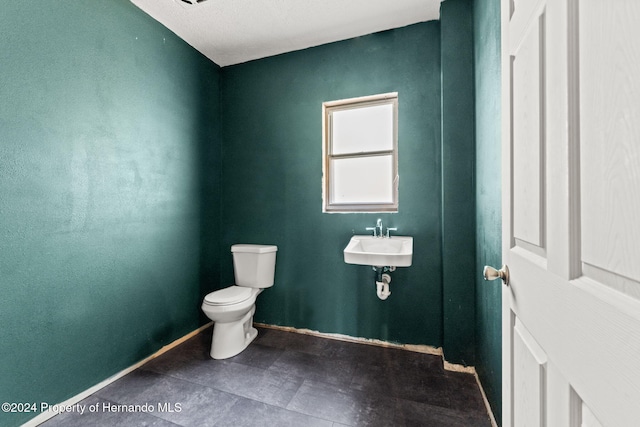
x=286 y=379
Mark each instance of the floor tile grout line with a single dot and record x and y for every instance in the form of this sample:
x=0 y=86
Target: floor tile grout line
x=95 y=395
x=201 y=385
x=281 y=408
x=313 y=416
x=346 y=388
x=286 y=407
x=220 y=390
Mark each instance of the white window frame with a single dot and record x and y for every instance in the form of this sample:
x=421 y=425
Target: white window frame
x=330 y=206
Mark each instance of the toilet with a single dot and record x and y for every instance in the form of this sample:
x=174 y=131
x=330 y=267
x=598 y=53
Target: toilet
x=232 y=308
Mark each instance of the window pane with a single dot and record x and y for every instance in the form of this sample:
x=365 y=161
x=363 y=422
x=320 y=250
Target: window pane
x=362 y=129
x=362 y=180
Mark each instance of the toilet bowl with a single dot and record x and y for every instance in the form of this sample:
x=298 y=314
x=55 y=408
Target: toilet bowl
x=232 y=308
x=232 y=311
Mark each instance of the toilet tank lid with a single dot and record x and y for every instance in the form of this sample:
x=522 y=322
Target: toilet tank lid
x=255 y=249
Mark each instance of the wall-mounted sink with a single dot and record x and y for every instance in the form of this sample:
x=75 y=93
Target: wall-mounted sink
x=394 y=251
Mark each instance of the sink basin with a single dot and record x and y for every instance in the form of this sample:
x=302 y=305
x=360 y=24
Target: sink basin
x=394 y=251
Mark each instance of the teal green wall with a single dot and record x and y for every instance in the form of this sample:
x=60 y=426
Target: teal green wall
x=458 y=152
x=129 y=164
x=109 y=166
x=272 y=193
x=488 y=200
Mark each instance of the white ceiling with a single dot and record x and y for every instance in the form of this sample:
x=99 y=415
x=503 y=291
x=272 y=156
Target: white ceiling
x=235 y=31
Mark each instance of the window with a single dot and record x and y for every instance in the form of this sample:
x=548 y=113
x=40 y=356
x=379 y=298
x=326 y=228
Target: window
x=360 y=154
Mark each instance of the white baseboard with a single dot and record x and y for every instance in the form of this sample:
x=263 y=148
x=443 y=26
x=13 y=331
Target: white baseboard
x=83 y=395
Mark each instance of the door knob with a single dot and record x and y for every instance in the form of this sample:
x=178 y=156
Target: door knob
x=491 y=273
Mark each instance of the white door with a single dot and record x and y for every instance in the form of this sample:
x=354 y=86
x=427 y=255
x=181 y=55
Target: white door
x=571 y=212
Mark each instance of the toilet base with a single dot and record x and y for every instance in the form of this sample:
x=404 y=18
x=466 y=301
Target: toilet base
x=230 y=339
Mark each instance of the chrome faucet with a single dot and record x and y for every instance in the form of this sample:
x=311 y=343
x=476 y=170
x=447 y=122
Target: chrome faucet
x=377 y=230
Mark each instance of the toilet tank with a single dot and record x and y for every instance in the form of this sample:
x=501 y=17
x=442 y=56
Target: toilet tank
x=254 y=266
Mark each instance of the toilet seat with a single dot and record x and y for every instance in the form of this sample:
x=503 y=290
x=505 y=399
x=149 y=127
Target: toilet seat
x=227 y=296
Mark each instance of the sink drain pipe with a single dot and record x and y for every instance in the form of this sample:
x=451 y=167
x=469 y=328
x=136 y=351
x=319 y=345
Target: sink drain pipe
x=382 y=282
x=383 y=287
